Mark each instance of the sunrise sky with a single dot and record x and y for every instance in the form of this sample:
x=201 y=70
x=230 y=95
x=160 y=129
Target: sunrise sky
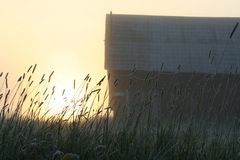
x=68 y=35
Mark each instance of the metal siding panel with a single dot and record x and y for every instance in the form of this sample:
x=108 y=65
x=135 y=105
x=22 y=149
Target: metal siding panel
x=145 y=42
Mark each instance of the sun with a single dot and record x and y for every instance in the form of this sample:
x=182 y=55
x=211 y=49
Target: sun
x=77 y=98
x=60 y=99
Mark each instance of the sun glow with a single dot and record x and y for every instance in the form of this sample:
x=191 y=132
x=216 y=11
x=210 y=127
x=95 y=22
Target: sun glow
x=60 y=99
x=49 y=96
x=79 y=99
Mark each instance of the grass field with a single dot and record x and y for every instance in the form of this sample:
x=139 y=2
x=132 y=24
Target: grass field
x=82 y=131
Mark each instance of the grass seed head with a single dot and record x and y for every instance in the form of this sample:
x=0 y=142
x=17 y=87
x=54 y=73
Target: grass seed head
x=50 y=76
x=29 y=68
x=34 y=68
x=70 y=156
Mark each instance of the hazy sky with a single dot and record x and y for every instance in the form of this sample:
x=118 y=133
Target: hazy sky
x=68 y=35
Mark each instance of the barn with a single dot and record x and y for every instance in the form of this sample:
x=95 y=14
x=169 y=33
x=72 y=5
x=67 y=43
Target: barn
x=167 y=63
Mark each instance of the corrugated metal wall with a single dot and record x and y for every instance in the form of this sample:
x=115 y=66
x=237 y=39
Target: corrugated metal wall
x=172 y=44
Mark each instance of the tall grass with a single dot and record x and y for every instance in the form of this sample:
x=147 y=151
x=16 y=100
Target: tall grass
x=82 y=131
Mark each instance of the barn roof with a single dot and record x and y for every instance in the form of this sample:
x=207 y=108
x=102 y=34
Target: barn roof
x=171 y=44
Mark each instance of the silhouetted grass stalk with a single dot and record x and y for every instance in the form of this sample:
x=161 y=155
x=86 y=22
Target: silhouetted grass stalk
x=29 y=131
